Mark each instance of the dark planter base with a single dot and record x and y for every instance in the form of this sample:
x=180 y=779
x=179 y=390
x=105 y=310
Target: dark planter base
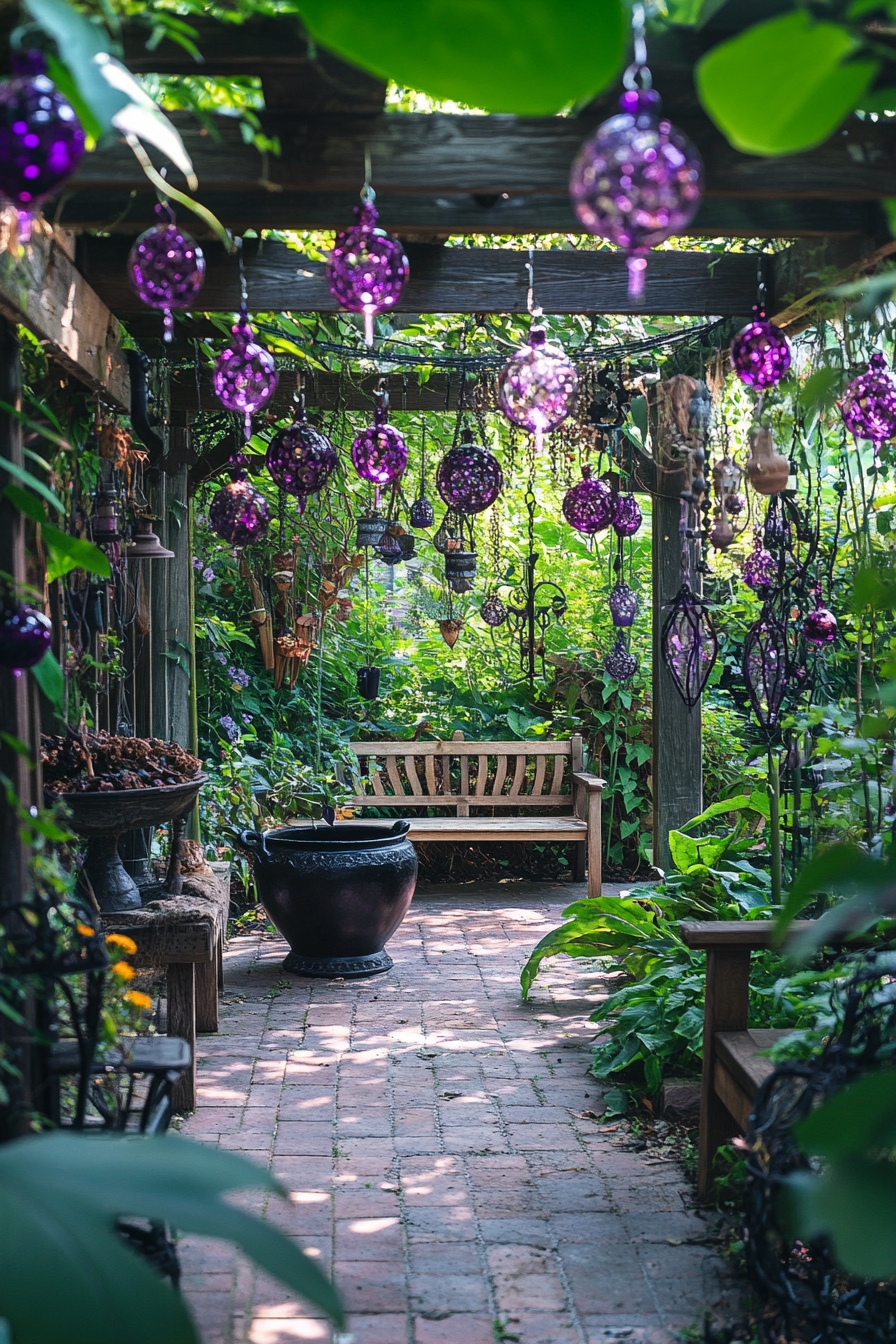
x=345 y=968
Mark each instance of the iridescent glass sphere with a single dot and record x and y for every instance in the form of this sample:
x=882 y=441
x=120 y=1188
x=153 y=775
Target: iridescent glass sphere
x=760 y=352
x=627 y=516
x=637 y=181
x=239 y=513
x=422 y=513
x=41 y=139
x=166 y=267
x=820 y=626
x=25 y=636
x=367 y=269
x=379 y=453
x=469 y=478
x=245 y=376
x=868 y=407
x=619 y=663
x=493 y=611
x=760 y=568
x=588 y=506
x=623 y=604
x=538 y=384
x=301 y=459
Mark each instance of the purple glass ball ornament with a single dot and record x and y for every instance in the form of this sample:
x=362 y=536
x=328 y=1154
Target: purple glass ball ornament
x=820 y=626
x=41 y=138
x=166 y=267
x=619 y=663
x=868 y=407
x=245 y=376
x=637 y=181
x=301 y=459
x=469 y=478
x=627 y=516
x=760 y=352
x=760 y=568
x=538 y=385
x=379 y=453
x=422 y=513
x=493 y=611
x=239 y=513
x=623 y=604
x=25 y=636
x=588 y=506
x=367 y=269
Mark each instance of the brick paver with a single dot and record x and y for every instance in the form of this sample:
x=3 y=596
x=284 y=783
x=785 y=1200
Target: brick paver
x=433 y=1133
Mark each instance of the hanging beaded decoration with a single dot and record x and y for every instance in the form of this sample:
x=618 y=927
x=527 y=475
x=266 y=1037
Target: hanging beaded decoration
x=868 y=407
x=239 y=513
x=619 y=663
x=589 y=507
x=493 y=611
x=469 y=479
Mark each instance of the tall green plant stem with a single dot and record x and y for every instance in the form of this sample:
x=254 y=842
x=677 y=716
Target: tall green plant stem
x=774 y=805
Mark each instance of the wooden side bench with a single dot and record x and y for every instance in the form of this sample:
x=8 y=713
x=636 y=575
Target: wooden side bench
x=733 y=1065
x=489 y=778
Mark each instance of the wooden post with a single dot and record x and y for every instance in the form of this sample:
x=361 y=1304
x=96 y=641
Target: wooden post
x=182 y=1022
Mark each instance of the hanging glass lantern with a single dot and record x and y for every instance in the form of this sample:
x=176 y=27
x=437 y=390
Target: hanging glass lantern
x=623 y=604
x=166 y=267
x=408 y=544
x=627 y=516
x=760 y=352
x=820 y=626
x=689 y=645
x=367 y=269
x=446 y=536
x=589 y=506
x=370 y=529
x=868 y=407
x=537 y=387
x=25 y=636
x=379 y=453
x=41 y=139
x=469 y=478
x=619 y=663
x=389 y=548
x=245 y=376
x=300 y=458
x=493 y=611
x=765 y=668
x=460 y=570
x=422 y=513
x=760 y=567
x=239 y=513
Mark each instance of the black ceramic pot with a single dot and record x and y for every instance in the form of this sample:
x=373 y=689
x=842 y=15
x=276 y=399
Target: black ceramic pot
x=336 y=893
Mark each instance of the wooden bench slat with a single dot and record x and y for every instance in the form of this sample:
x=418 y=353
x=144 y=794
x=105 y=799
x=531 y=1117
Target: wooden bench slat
x=538 y=783
x=410 y=769
x=481 y=775
x=460 y=748
x=738 y=1052
x=519 y=774
x=560 y=801
x=430 y=772
x=394 y=777
x=376 y=783
x=500 y=776
x=557 y=778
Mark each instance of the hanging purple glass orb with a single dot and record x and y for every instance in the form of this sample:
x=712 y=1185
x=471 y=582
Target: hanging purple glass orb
x=637 y=181
x=623 y=603
x=379 y=453
x=760 y=352
x=537 y=387
x=627 y=516
x=166 y=267
x=389 y=549
x=589 y=506
x=25 y=636
x=820 y=626
x=367 y=269
x=301 y=459
x=619 y=663
x=422 y=513
x=689 y=645
x=245 y=376
x=868 y=407
x=760 y=568
x=469 y=478
x=239 y=513
x=41 y=138
x=493 y=611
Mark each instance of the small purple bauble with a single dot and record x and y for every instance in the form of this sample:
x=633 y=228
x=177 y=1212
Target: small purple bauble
x=760 y=352
x=422 y=513
x=166 y=267
x=469 y=478
x=868 y=407
x=623 y=604
x=245 y=376
x=367 y=269
x=588 y=506
x=301 y=459
x=760 y=568
x=820 y=626
x=379 y=453
x=493 y=611
x=637 y=181
x=25 y=636
x=389 y=548
x=239 y=513
x=41 y=138
x=627 y=516
x=538 y=384
x=619 y=663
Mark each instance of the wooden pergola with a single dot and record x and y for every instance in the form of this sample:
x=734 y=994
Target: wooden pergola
x=436 y=176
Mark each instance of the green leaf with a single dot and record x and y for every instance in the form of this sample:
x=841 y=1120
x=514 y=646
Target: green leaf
x=48 y=675
x=533 y=57
x=854 y=1204
x=855 y=1120
x=79 y=41
x=841 y=869
x=64 y=553
x=783 y=86
x=33 y=484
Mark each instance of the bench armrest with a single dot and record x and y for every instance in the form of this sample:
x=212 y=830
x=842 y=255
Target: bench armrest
x=742 y=935
x=588 y=781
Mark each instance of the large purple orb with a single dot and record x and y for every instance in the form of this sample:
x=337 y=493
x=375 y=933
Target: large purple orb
x=820 y=626
x=239 y=513
x=367 y=269
x=868 y=407
x=637 y=181
x=25 y=636
x=41 y=139
x=166 y=267
x=627 y=516
x=588 y=506
x=538 y=385
x=245 y=376
x=469 y=479
x=379 y=453
x=760 y=352
x=301 y=459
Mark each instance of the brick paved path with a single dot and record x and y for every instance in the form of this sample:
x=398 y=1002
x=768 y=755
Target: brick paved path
x=429 y=1126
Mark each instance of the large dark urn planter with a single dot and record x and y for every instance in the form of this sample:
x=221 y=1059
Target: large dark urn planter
x=336 y=893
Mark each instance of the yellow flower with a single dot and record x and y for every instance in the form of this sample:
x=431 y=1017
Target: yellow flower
x=85 y=930
x=123 y=941
x=123 y=970
x=138 y=998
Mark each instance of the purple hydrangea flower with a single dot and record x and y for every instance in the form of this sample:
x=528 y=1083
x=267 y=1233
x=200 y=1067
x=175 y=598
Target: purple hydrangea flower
x=229 y=728
x=208 y=574
x=197 y=562
x=238 y=676
x=247 y=718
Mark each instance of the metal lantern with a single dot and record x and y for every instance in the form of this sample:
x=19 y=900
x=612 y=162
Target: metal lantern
x=765 y=668
x=460 y=570
x=689 y=644
x=422 y=513
x=619 y=663
x=146 y=544
x=389 y=548
x=493 y=611
x=105 y=524
x=368 y=682
x=469 y=478
x=623 y=604
x=408 y=543
x=369 y=531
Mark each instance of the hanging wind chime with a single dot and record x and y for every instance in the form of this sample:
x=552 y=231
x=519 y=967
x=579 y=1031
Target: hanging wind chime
x=537 y=386
x=41 y=139
x=166 y=267
x=245 y=376
x=367 y=269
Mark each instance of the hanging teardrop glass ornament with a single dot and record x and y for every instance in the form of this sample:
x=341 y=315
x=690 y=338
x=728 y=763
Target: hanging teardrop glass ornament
x=639 y=179
x=166 y=267
x=25 y=636
x=589 y=506
x=41 y=139
x=820 y=626
x=300 y=458
x=760 y=352
x=760 y=567
x=469 y=478
x=623 y=604
x=239 y=513
x=627 y=516
x=868 y=406
x=367 y=269
x=689 y=644
x=493 y=611
x=765 y=668
x=245 y=376
x=379 y=453
x=537 y=387
x=619 y=663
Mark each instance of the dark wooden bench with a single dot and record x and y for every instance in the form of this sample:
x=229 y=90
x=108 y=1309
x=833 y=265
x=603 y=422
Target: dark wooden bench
x=480 y=781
